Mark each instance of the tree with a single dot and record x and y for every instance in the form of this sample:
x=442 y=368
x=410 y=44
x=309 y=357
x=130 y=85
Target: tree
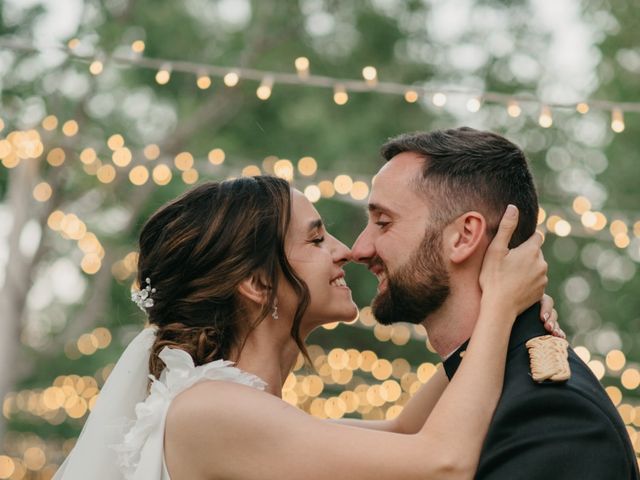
x=88 y=132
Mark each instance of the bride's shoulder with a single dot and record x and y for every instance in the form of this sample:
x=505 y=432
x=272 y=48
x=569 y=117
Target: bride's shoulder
x=211 y=411
x=214 y=398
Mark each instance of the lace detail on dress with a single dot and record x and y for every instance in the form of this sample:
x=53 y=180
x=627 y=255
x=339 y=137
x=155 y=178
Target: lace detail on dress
x=178 y=375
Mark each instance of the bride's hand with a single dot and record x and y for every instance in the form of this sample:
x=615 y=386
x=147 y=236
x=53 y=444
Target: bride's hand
x=549 y=316
x=515 y=278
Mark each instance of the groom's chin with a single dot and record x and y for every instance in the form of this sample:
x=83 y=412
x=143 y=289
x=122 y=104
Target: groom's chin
x=386 y=310
x=383 y=310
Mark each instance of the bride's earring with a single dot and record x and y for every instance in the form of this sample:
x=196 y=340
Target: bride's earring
x=274 y=314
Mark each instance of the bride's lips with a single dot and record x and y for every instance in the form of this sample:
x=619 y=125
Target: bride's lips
x=339 y=282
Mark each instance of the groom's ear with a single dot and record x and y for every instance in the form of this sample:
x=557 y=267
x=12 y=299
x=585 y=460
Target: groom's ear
x=465 y=236
x=254 y=288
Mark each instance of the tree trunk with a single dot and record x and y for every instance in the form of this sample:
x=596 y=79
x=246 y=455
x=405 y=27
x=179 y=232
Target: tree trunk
x=17 y=276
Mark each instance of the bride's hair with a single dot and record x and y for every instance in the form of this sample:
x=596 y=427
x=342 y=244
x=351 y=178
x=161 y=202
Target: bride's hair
x=198 y=248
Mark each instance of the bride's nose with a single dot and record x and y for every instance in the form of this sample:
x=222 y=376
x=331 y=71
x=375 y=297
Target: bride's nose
x=341 y=253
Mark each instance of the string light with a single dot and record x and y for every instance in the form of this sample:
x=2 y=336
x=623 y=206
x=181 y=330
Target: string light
x=161 y=174
x=203 y=81
x=50 y=122
x=411 y=96
x=590 y=222
x=283 y=168
x=359 y=190
x=307 y=166
x=96 y=67
x=582 y=108
x=264 y=90
x=121 y=157
x=513 y=109
x=581 y=205
x=302 y=67
x=56 y=157
x=164 y=74
x=183 y=161
x=42 y=192
x=562 y=228
x=250 y=171
x=370 y=82
x=216 y=156
x=312 y=192
x=70 y=128
x=151 y=151
x=139 y=175
x=474 y=104
x=340 y=95
x=190 y=176
x=343 y=184
x=115 y=141
x=138 y=46
x=88 y=156
x=326 y=188
x=370 y=75
x=439 y=99
x=617 y=120
x=231 y=79
x=106 y=173
x=545 y=119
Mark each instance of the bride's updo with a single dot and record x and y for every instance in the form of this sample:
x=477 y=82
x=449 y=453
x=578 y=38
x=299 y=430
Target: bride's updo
x=195 y=251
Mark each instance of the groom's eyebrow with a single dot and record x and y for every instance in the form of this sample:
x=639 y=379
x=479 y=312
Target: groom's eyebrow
x=377 y=208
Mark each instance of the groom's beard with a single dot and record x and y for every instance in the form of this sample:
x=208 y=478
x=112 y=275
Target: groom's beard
x=417 y=289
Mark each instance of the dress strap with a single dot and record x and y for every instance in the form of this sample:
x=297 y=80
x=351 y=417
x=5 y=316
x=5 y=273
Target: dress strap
x=140 y=454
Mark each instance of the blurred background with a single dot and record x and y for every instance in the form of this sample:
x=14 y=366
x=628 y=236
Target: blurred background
x=111 y=107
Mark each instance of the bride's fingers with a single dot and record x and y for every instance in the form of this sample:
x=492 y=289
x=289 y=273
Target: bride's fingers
x=546 y=307
x=506 y=228
x=553 y=327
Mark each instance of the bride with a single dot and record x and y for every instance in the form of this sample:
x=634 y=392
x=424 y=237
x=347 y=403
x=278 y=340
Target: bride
x=239 y=273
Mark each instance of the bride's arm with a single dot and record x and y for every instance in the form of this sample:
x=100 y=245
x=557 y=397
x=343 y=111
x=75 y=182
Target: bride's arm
x=414 y=413
x=420 y=405
x=277 y=441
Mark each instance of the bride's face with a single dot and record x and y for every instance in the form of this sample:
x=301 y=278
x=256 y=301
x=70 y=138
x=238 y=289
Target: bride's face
x=317 y=258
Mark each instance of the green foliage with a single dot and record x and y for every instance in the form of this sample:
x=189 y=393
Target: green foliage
x=298 y=121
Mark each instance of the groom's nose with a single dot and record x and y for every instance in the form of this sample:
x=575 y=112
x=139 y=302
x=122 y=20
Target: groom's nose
x=363 y=249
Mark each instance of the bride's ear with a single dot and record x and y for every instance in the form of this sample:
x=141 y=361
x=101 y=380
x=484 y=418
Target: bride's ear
x=254 y=288
x=464 y=236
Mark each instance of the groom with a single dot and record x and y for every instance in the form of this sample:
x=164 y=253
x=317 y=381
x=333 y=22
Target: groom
x=433 y=210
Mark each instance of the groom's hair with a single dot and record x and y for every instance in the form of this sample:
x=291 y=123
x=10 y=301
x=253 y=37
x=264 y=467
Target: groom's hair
x=467 y=169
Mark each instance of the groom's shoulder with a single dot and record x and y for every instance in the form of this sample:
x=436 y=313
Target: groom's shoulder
x=582 y=383
x=581 y=391
x=556 y=430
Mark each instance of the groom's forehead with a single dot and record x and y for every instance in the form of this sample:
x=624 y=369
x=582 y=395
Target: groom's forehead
x=403 y=167
x=398 y=177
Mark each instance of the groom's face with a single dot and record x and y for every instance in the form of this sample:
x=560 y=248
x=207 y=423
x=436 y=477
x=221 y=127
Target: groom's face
x=402 y=246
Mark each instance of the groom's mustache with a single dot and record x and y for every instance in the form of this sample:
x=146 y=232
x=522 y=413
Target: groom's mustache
x=374 y=262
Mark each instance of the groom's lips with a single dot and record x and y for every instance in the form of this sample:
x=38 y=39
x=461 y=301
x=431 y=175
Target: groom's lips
x=376 y=269
x=379 y=272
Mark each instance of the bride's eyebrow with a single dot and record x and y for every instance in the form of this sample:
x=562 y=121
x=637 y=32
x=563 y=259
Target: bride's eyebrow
x=315 y=225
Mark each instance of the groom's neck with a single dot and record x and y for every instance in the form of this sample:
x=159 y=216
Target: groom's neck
x=452 y=324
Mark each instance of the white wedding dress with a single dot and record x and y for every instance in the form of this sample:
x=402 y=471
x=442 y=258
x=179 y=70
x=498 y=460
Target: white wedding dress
x=123 y=438
x=141 y=454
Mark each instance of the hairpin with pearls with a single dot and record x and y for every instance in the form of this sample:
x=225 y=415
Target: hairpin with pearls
x=142 y=298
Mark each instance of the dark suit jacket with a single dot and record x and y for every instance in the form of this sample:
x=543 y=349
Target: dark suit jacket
x=552 y=431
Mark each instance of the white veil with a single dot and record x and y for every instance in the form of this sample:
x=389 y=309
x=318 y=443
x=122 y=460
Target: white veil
x=92 y=457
